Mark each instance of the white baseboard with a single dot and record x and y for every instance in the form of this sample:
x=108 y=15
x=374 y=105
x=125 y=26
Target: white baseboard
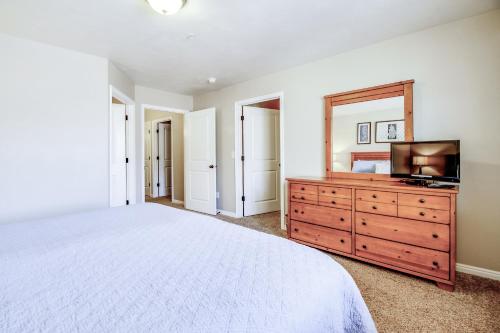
x=177 y=202
x=478 y=271
x=226 y=213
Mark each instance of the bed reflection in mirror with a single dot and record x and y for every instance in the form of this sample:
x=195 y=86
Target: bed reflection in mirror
x=362 y=133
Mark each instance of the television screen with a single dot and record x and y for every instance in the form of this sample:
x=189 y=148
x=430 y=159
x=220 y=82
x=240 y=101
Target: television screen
x=433 y=160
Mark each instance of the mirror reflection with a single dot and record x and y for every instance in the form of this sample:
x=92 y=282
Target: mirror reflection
x=362 y=133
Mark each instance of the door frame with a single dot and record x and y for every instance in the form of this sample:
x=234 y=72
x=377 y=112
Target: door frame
x=154 y=152
x=130 y=143
x=143 y=108
x=238 y=142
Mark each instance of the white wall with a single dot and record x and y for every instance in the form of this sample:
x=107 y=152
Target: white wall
x=53 y=130
x=120 y=80
x=153 y=97
x=456 y=68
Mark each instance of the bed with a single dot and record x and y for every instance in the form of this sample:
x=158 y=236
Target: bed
x=152 y=268
x=371 y=162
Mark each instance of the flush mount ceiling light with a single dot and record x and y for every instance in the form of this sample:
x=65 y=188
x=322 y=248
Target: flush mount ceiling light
x=166 y=7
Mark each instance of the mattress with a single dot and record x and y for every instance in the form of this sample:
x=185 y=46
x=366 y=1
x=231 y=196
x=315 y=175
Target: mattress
x=152 y=268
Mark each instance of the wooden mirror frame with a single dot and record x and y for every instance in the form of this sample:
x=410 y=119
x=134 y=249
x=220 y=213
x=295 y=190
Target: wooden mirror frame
x=402 y=88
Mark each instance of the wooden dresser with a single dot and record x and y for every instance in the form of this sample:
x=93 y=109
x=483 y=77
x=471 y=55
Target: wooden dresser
x=406 y=228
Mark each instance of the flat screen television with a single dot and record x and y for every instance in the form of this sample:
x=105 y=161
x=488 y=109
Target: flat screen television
x=426 y=160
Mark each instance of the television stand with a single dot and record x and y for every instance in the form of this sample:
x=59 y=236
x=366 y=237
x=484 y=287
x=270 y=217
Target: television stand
x=426 y=183
x=416 y=182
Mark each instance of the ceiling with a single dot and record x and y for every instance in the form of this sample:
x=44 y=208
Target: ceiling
x=234 y=40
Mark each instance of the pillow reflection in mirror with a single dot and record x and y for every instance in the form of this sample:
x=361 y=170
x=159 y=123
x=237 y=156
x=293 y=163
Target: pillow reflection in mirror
x=363 y=167
x=383 y=167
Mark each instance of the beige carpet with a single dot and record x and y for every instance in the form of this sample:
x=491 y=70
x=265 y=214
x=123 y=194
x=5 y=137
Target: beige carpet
x=402 y=303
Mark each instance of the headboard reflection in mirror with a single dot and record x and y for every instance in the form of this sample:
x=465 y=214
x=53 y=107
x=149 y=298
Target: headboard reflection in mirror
x=361 y=124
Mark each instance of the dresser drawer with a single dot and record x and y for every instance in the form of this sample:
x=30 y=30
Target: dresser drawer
x=431 y=262
x=424 y=214
x=430 y=235
x=337 y=192
x=322 y=236
x=377 y=196
x=377 y=208
x=425 y=201
x=304 y=197
x=325 y=216
x=334 y=202
x=301 y=188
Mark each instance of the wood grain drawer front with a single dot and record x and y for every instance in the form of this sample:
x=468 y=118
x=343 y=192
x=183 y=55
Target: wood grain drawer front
x=304 y=197
x=425 y=201
x=431 y=262
x=325 y=216
x=424 y=214
x=430 y=235
x=377 y=196
x=326 y=237
x=377 y=208
x=336 y=192
x=307 y=189
x=334 y=202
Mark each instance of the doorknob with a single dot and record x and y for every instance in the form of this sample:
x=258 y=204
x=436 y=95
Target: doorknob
x=211 y=166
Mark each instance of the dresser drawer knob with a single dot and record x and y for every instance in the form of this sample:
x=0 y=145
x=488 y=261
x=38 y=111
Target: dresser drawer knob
x=374 y=196
x=422 y=214
x=302 y=198
x=333 y=192
x=296 y=211
x=435 y=263
x=302 y=212
x=421 y=200
x=296 y=229
x=435 y=235
x=333 y=202
x=374 y=207
x=342 y=219
x=302 y=188
x=364 y=247
x=363 y=223
x=342 y=241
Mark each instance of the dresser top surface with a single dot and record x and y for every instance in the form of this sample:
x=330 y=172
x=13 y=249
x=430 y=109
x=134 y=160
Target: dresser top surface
x=380 y=184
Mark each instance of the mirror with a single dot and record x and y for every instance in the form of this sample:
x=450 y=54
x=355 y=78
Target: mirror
x=360 y=126
x=362 y=132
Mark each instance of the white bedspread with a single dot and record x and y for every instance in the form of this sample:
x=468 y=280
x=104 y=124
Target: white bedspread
x=151 y=268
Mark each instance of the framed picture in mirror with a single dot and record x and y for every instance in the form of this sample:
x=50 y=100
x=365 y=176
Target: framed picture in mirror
x=390 y=131
x=364 y=133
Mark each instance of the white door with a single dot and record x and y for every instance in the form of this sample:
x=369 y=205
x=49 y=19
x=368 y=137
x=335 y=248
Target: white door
x=199 y=161
x=164 y=159
x=261 y=169
x=147 y=158
x=118 y=189
x=168 y=159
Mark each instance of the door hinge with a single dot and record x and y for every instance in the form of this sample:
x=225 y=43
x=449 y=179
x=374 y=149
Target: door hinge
x=127 y=202
x=126 y=117
x=126 y=159
x=157 y=131
x=242 y=118
x=242 y=158
x=243 y=198
x=157 y=158
x=157 y=184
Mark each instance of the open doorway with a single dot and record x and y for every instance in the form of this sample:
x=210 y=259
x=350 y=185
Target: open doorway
x=258 y=157
x=163 y=157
